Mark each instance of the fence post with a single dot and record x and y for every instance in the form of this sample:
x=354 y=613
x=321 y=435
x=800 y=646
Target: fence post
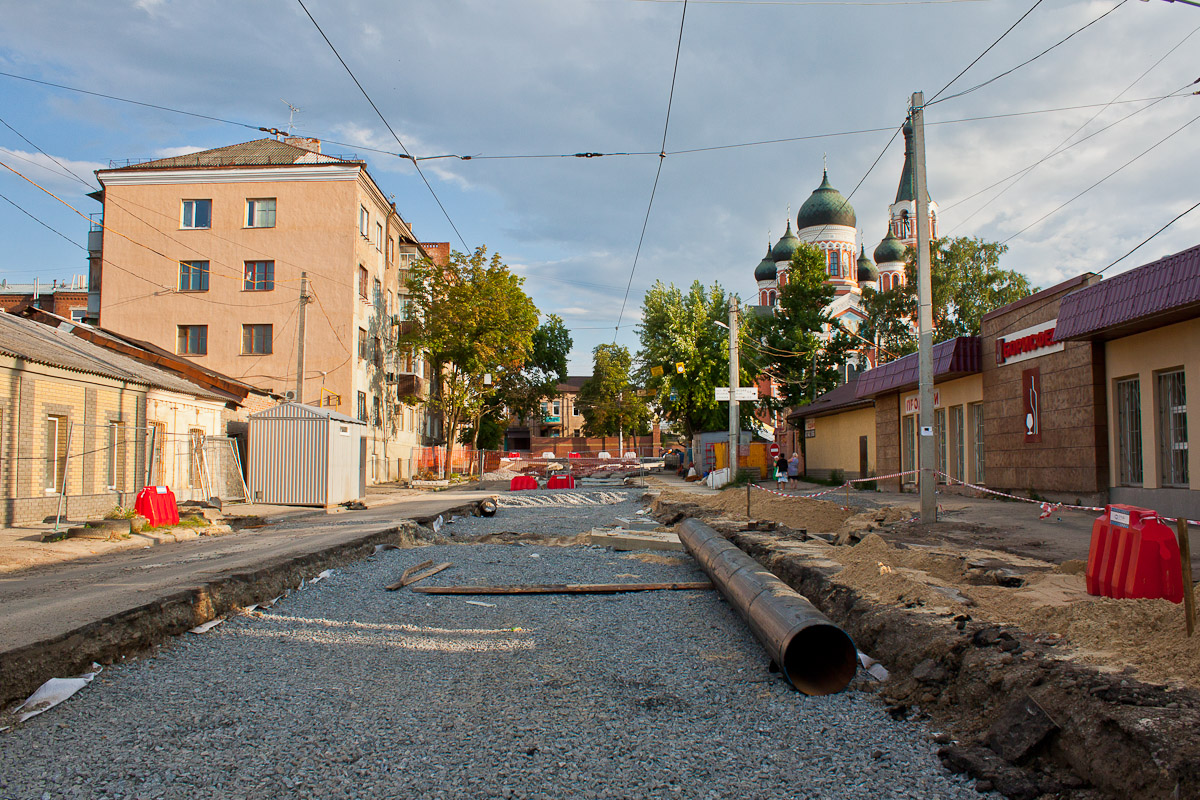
x=1185 y=556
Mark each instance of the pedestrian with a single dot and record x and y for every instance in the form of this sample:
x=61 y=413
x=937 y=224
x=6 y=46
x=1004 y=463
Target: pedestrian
x=793 y=469
x=781 y=471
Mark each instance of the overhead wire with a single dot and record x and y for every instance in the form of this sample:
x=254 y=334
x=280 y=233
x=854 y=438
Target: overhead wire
x=387 y=124
x=986 y=50
x=1148 y=238
x=657 y=174
x=43 y=224
x=1032 y=59
x=68 y=170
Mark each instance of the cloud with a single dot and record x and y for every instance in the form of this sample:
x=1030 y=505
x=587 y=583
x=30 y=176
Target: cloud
x=57 y=173
x=180 y=150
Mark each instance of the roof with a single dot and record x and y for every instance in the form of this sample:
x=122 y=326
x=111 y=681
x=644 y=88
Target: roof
x=42 y=344
x=256 y=153
x=573 y=383
x=890 y=250
x=838 y=399
x=826 y=206
x=786 y=246
x=952 y=358
x=766 y=270
x=1151 y=296
x=303 y=411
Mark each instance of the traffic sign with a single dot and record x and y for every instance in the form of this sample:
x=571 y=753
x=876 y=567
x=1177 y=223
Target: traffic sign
x=773 y=450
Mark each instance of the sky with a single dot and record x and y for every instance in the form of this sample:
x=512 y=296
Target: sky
x=552 y=77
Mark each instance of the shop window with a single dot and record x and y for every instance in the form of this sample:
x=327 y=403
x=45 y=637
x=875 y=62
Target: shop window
x=977 y=474
x=56 y=452
x=908 y=426
x=958 y=448
x=1129 y=432
x=1172 y=429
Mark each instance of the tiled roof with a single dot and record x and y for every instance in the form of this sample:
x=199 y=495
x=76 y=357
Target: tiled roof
x=951 y=359
x=42 y=344
x=257 y=153
x=573 y=383
x=1159 y=293
x=841 y=398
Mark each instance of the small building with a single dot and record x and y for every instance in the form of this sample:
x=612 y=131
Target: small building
x=1144 y=325
x=302 y=455
x=67 y=299
x=839 y=431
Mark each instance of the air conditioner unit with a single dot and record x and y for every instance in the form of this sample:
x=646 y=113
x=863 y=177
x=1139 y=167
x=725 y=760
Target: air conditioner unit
x=289 y=396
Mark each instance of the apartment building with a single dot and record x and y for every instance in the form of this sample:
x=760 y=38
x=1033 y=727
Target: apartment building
x=243 y=257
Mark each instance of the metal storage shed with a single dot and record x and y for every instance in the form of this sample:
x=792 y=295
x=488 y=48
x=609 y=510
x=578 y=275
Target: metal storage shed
x=302 y=455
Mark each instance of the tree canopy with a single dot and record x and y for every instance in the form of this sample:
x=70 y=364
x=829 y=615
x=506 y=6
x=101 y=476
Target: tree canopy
x=474 y=321
x=677 y=328
x=608 y=400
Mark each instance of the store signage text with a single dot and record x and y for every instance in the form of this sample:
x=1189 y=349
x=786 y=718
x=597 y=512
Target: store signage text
x=912 y=403
x=1029 y=343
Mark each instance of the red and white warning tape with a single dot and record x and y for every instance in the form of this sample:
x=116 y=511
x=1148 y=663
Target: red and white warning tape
x=804 y=494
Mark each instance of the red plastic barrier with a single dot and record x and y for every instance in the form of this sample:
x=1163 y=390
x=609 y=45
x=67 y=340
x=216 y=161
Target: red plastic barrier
x=573 y=455
x=157 y=504
x=1133 y=555
x=514 y=455
x=522 y=482
x=560 y=482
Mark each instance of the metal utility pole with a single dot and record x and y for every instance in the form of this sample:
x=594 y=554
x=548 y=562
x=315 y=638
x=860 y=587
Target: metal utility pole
x=300 y=338
x=734 y=373
x=926 y=459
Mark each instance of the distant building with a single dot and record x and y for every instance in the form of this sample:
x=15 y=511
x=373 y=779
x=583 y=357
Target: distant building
x=62 y=298
x=203 y=255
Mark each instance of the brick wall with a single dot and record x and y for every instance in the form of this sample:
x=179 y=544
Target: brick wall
x=887 y=439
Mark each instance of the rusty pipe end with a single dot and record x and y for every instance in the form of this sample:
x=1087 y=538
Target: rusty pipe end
x=820 y=659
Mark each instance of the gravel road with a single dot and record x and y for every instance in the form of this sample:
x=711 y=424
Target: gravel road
x=343 y=690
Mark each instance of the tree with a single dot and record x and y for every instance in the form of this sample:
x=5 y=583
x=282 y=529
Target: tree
x=608 y=401
x=522 y=391
x=678 y=328
x=792 y=344
x=966 y=282
x=473 y=319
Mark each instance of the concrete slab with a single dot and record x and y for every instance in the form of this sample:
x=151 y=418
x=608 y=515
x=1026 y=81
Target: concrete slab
x=621 y=539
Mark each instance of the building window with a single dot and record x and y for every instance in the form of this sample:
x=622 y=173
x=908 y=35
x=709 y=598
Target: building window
x=958 y=445
x=257 y=340
x=939 y=431
x=377 y=351
x=376 y=412
x=378 y=296
x=835 y=263
x=364 y=222
x=78 y=314
x=362 y=406
x=363 y=348
x=379 y=236
x=56 y=452
x=908 y=426
x=1172 y=429
x=193 y=340
x=116 y=456
x=260 y=276
x=977 y=473
x=771 y=298
x=1129 y=432
x=260 y=213
x=193 y=276
x=363 y=282
x=197 y=214
x=391 y=250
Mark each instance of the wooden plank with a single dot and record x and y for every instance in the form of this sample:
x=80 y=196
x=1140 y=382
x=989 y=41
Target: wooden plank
x=564 y=588
x=417 y=572
x=1185 y=557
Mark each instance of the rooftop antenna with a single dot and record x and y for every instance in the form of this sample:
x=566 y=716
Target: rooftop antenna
x=292 y=112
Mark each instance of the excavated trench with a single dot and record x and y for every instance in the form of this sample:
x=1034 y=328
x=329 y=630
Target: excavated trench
x=1017 y=714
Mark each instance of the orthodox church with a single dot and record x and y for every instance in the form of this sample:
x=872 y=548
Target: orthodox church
x=827 y=221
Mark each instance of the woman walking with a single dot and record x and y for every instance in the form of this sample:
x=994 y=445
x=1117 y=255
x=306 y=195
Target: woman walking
x=793 y=470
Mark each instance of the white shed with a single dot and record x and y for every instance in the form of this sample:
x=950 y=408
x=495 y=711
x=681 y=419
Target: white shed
x=302 y=455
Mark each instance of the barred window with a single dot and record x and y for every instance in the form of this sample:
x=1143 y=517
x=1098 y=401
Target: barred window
x=1172 y=429
x=1129 y=432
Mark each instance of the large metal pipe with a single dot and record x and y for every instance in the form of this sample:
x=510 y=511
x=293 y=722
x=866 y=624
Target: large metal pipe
x=816 y=656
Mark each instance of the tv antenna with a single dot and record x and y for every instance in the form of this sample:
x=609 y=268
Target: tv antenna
x=292 y=112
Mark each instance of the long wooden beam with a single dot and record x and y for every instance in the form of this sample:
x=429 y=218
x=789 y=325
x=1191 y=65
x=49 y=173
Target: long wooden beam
x=564 y=588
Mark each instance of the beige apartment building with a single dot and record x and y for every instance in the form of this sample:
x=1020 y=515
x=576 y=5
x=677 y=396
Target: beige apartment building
x=211 y=255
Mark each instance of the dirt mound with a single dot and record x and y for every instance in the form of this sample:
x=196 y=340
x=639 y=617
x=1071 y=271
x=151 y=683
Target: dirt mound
x=799 y=513
x=1148 y=635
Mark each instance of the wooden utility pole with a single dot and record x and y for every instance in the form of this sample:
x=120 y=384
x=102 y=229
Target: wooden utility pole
x=926 y=459
x=300 y=338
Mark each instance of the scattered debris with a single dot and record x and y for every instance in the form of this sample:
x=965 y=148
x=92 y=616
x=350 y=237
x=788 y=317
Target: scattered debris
x=417 y=573
x=53 y=692
x=379 y=548
x=620 y=539
x=565 y=588
x=322 y=575
x=438 y=524
x=479 y=603
x=208 y=626
x=876 y=670
x=487 y=508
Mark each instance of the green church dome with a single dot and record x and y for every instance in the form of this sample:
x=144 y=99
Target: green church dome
x=867 y=271
x=826 y=206
x=783 y=249
x=890 y=249
x=765 y=271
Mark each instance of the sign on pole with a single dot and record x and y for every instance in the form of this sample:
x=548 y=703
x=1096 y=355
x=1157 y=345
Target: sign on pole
x=741 y=393
x=721 y=393
x=773 y=450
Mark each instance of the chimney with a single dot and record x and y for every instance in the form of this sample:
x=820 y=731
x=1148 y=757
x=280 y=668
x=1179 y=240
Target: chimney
x=304 y=142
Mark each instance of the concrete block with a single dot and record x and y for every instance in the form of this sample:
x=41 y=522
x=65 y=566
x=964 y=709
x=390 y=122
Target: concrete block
x=620 y=539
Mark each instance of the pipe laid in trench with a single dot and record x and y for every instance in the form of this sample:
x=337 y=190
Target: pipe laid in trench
x=816 y=656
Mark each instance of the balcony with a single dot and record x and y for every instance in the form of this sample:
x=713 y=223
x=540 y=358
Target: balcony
x=409 y=384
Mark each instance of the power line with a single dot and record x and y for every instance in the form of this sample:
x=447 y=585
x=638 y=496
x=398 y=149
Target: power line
x=662 y=155
x=43 y=224
x=417 y=166
x=1102 y=180
x=47 y=155
x=1148 y=238
x=1034 y=58
x=984 y=53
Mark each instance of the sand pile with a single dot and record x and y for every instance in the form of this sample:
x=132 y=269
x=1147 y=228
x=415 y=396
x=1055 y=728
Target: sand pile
x=801 y=513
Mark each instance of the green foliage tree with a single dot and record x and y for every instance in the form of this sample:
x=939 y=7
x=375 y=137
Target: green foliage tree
x=609 y=402
x=473 y=320
x=788 y=344
x=677 y=328
x=522 y=391
x=966 y=282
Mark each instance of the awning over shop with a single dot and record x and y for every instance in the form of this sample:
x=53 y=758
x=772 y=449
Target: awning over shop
x=952 y=358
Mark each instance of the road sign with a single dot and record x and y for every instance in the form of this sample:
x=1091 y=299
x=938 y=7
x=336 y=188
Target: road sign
x=656 y=371
x=741 y=393
x=773 y=450
x=679 y=367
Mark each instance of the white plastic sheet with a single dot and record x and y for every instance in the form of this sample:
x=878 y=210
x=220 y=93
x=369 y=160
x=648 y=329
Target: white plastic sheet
x=877 y=670
x=208 y=626
x=53 y=692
